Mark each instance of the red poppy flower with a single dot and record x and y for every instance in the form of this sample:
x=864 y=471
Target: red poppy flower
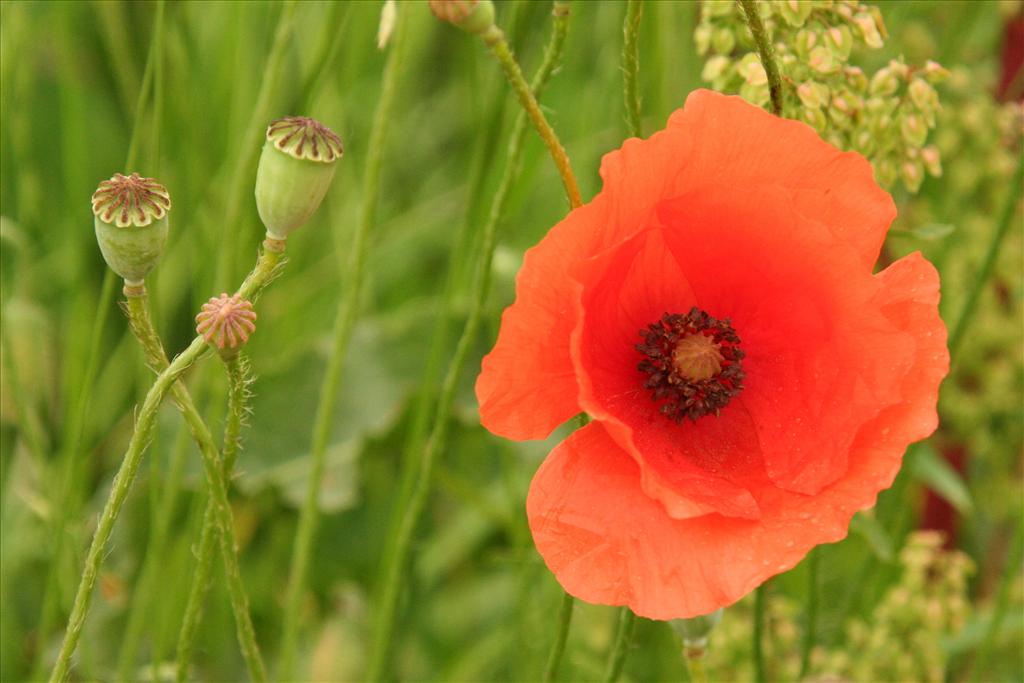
x=751 y=383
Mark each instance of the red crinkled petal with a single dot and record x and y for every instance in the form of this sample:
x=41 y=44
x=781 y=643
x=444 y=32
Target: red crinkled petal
x=693 y=468
x=821 y=359
x=742 y=146
x=526 y=386
x=608 y=542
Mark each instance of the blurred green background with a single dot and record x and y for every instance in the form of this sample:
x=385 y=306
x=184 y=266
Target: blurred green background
x=896 y=605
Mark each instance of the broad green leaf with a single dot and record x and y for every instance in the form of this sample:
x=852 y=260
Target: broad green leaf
x=931 y=469
x=874 y=534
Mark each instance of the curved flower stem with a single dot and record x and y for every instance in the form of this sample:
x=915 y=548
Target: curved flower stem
x=238 y=373
x=494 y=38
x=142 y=327
x=631 y=65
x=623 y=638
x=396 y=558
x=956 y=337
x=758 y=644
x=811 y=624
x=266 y=268
x=344 y=323
x=561 y=636
x=766 y=52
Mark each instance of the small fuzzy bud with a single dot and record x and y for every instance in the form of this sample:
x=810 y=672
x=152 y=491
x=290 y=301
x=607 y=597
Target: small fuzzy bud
x=226 y=323
x=914 y=130
x=884 y=83
x=473 y=16
x=795 y=12
x=822 y=60
x=714 y=68
x=869 y=29
x=723 y=41
x=935 y=72
x=813 y=94
x=932 y=160
x=840 y=40
x=296 y=168
x=131 y=224
x=912 y=174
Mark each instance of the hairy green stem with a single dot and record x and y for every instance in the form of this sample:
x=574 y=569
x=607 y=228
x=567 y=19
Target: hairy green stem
x=494 y=38
x=266 y=268
x=765 y=51
x=811 y=623
x=561 y=636
x=631 y=65
x=237 y=372
x=344 y=323
x=142 y=327
x=1006 y=221
x=119 y=492
x=757 y=646
x=394 y=562
x=620 y=647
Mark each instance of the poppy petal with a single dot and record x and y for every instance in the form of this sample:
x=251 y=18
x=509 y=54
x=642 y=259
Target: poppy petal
x=741 y=146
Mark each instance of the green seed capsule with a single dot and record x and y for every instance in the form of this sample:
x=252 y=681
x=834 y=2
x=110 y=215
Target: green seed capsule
x=296 y=168
x=131 y=224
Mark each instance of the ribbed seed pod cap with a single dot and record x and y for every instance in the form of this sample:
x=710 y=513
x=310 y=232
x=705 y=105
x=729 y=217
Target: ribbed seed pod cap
x=131 y=223
x=296 y=168
x=474 y=16
x=226 y=322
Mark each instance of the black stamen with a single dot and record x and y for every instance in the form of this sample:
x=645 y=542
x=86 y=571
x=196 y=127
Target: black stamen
x=683 y=396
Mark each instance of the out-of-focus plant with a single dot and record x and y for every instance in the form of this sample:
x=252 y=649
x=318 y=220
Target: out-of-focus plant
x=903 y=639
x=886 y=115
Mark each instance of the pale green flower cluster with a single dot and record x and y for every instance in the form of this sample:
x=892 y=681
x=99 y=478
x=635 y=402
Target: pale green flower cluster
x=901 y=640
x=886 y=115
x=981 y=402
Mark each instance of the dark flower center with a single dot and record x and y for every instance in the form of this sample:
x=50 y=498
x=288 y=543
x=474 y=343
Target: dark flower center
x=692 y=363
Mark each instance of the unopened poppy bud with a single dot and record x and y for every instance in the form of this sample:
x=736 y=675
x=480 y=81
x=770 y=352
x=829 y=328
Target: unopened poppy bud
x=296 y=168
x=226 y=323
x=474 y=16
x=131 y=224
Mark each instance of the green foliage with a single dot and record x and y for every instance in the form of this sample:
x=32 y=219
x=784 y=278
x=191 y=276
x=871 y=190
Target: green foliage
x=480 y=604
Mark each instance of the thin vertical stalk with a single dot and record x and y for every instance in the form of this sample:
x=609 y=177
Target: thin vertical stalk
x=265 y=269
x=765 y=51
x=758 y=640
x=250 y=144
x=963 y=321
x=1002 y=601
x=69 y=457
x=237 y=372
x=344 y=323
x=811 y=621
x=494 y=38
x=631 y=66
x=561 y=636
x=396 y=558
x=620 y=647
